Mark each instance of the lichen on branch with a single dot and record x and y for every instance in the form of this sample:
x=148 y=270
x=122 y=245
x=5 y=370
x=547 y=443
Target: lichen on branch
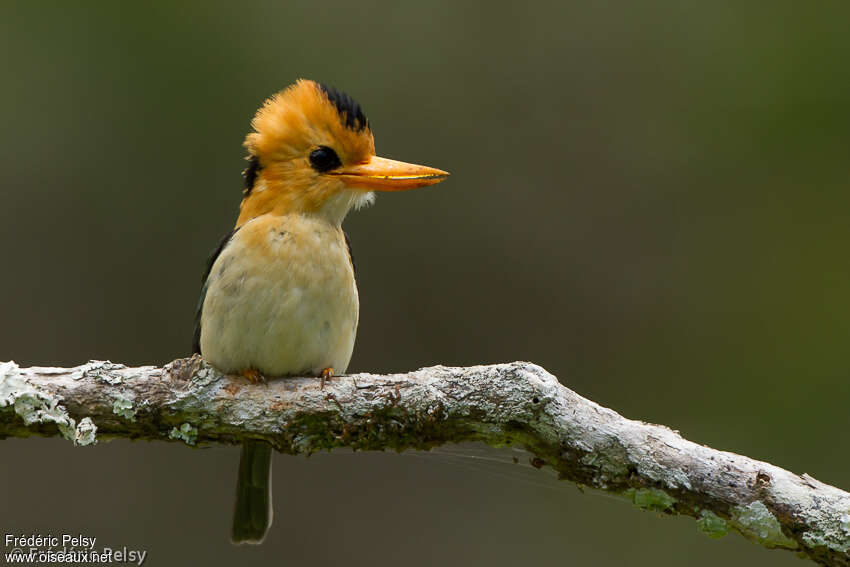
x=517 y=404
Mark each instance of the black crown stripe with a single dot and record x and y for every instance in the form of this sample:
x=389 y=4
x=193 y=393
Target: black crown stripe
x=350 y=112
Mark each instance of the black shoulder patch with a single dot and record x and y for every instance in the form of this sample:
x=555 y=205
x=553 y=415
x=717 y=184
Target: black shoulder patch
x=250 y=174
x=196 y=338
x=350 y=112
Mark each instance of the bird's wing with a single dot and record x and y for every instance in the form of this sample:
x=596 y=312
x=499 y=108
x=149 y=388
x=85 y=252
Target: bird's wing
x=196 y=339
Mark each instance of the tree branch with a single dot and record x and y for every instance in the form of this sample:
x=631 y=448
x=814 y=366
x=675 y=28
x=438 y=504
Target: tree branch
x=505 y=404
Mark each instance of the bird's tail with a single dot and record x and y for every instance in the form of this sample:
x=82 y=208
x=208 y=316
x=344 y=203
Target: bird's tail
x=252 y=516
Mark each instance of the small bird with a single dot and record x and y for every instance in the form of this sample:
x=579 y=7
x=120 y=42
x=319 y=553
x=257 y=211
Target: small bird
x=279 y=296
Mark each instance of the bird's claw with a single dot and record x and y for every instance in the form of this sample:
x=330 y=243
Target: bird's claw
x=326 y=374
x=253 y=376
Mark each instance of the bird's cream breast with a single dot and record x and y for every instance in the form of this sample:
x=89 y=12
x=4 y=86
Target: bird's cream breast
x=281 y=299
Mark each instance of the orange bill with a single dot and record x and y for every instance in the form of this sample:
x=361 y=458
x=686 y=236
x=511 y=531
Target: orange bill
x=382 y=174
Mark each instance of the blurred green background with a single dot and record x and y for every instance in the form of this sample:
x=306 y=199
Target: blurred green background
x=648 y=199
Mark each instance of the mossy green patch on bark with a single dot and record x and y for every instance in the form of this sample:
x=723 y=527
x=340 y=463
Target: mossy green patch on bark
x=186 y=432
x=837 y=538
x=712 y=525
x=85 y=433
x=124 y=408
x=31 y=404
x=756 y=522
x=651 y=499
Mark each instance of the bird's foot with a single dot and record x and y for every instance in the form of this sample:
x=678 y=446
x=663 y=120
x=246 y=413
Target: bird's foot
x=326 y=374
x=253 y=376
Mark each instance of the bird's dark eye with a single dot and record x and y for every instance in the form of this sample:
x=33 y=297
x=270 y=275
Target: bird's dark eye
x=324 y=159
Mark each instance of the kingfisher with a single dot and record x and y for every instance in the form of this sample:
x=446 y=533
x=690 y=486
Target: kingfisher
x=279 y=296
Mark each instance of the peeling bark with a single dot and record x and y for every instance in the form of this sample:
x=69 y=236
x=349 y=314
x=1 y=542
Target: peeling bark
x=516 y=404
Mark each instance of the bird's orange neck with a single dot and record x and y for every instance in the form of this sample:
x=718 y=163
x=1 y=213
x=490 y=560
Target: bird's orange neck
x=326 y=199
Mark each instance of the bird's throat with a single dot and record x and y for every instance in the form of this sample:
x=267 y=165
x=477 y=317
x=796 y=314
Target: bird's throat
x=329 y=203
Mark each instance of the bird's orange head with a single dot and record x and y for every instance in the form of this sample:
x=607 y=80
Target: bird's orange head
x=312 y=152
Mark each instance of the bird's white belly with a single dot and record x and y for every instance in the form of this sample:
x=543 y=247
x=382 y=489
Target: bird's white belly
x=281 y=299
